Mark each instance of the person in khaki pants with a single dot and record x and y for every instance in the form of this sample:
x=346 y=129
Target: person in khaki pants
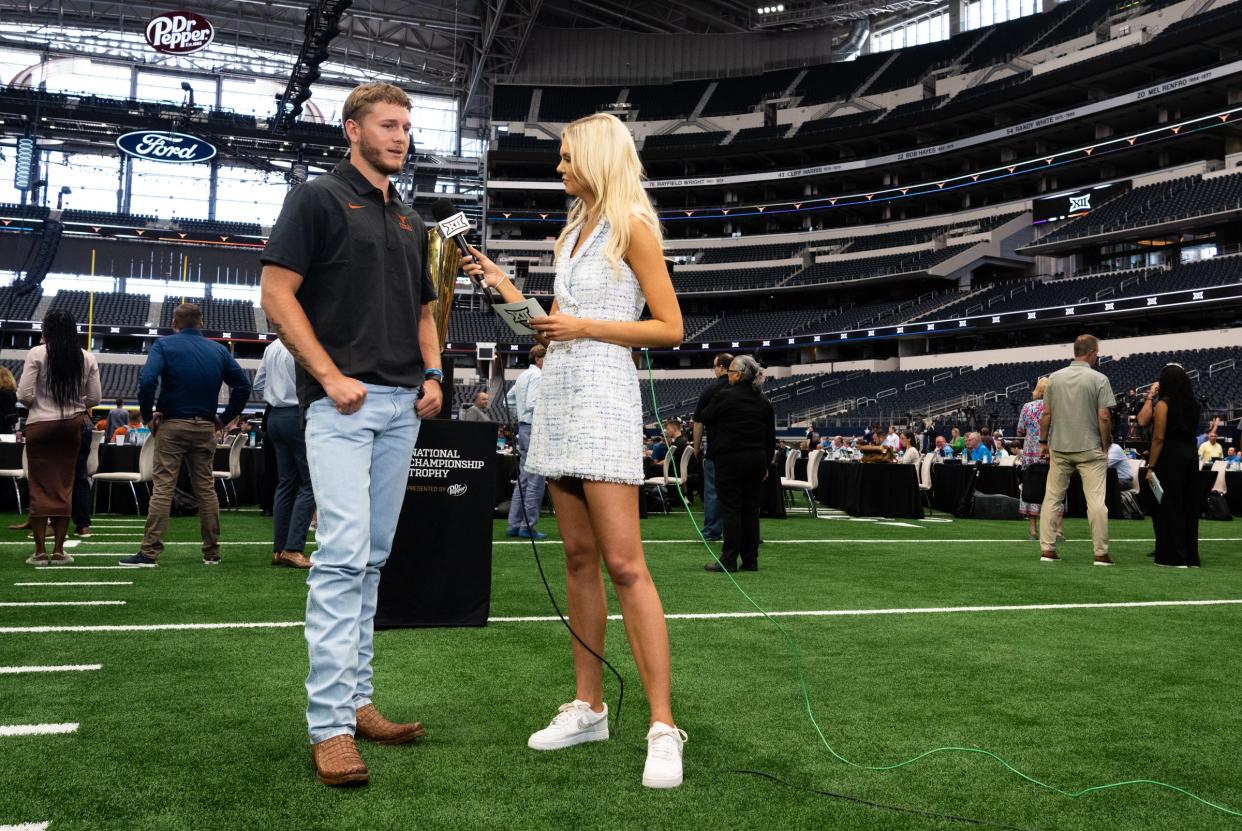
x=1075 y=431
x=188 y=370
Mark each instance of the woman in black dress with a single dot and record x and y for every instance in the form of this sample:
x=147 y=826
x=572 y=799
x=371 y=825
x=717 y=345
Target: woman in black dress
x=743 y=431
x=1175 y=463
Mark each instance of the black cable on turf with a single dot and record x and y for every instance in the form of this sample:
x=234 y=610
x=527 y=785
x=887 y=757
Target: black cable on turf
x=903 y=809
x=534 y=549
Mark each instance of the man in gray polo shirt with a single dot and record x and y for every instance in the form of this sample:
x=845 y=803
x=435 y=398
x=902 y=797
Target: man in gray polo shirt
x=1076 y=429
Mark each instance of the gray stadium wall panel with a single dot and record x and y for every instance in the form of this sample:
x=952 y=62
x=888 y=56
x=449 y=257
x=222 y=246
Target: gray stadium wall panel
x=583 y=57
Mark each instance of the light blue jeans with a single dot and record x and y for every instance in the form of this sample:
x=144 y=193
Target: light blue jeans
x=528 y=492
x=359 y=464
x=713 y=522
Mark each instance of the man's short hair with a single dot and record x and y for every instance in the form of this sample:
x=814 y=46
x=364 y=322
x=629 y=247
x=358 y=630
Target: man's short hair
x=187 y=316
x=537 y=351
x=479 y=394
x=1085 y=345
x=365 y=96
x=723 y=360
x=120 y=402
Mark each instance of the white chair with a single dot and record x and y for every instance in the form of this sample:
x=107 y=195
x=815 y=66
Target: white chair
x=92 y=461
x=225 y=477
x=807 y=485
x=143 y=475
x=1219 y=469
x=925 y=474
x=1136 y=473
x=17 y=474
x=1008 y=461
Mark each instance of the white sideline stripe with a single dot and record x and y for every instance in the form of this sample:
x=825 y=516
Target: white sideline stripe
x=289 y=624
x=21 y=603
x=26 y=826
x=83 y=568
x=1031 y=607
x=38 y=729
x=60 y=668
x=80 y=583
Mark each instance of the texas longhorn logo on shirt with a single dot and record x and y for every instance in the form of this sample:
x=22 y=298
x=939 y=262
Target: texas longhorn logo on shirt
x=404 y=223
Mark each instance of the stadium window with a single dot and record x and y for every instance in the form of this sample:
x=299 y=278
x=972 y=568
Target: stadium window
x=249 y=96
x=92 y=180
x=244 y=194
x=170 y=191
x=80 y=75
x=158 y=86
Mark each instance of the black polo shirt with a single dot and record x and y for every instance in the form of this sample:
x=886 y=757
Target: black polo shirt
x=364 y=276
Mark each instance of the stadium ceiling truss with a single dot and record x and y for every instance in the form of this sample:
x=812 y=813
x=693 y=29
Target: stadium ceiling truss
x=420 y=41
x=458 y=48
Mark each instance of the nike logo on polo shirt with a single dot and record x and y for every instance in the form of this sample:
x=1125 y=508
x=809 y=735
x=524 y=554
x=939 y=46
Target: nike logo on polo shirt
x=355 y=207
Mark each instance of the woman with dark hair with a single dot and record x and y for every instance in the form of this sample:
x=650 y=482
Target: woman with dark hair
x=909 y=449
x=743 y=430
x=60 y=383
x=1174 y=462
x=8 y=400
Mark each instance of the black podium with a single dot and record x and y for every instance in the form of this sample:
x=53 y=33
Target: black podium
x=440 y=569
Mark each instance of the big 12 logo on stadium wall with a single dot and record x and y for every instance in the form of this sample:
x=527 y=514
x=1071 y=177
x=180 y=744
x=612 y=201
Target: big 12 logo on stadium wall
x=179 y=33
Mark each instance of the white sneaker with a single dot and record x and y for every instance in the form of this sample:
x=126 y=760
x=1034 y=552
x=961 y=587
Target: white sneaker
x=664 y=751
x=574 y=723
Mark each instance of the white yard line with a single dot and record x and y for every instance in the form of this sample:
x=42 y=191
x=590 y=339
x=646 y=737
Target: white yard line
x=21 y=603
x=78 y=583
x=290 y=624
x=60 y=668
x=85 y=568
x=37 y=729
x=26 y=826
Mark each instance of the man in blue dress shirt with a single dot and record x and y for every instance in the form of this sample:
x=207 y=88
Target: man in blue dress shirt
x=188 y=369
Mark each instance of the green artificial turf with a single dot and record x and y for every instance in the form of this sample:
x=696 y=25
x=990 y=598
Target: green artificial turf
x=204 y=729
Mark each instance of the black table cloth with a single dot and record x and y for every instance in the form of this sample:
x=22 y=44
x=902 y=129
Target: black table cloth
x=1233 y=491
x=949 y=483
x=879 y=489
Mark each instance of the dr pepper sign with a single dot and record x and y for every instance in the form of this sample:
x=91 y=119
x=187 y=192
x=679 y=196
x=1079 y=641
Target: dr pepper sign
x=179 y=33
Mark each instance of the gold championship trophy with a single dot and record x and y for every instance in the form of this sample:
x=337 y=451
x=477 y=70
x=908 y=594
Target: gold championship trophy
x=442 y=268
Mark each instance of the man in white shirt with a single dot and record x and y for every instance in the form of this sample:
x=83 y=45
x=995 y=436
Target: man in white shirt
x=893 y=440
x=528 y=492
x=294 y=503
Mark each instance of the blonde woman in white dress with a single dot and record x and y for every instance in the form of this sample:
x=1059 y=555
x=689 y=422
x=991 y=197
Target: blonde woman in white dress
x=609 y=264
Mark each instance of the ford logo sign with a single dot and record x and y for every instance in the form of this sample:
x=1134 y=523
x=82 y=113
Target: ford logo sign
x=177 y=148
x=179 y=33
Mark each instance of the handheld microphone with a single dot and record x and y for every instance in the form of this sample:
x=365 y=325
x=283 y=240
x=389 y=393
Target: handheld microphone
x=454 y=225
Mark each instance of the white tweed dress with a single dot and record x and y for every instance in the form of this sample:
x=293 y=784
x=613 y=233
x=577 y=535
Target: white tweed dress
x=588 y=422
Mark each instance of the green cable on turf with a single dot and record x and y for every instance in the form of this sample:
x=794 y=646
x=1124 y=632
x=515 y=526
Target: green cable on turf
x=792 y=646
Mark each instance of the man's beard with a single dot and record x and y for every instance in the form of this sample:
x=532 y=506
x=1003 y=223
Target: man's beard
x=375 y=156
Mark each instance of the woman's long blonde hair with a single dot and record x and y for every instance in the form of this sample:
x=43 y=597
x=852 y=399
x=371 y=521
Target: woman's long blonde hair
x=7 y=381
x=604 y=159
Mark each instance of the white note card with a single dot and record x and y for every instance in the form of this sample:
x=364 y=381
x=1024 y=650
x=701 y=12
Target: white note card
x=518 y=315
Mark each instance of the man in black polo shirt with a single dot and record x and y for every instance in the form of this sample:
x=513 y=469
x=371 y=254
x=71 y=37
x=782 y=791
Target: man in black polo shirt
x=713 y=522
x=345 y=287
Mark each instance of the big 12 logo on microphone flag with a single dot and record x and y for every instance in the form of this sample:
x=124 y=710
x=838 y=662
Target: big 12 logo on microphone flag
x=454 y=225
x=179 y=33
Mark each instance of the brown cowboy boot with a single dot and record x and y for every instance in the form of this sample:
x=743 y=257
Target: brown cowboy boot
x=337 y=762
x=375 y=728
x=292 y=559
